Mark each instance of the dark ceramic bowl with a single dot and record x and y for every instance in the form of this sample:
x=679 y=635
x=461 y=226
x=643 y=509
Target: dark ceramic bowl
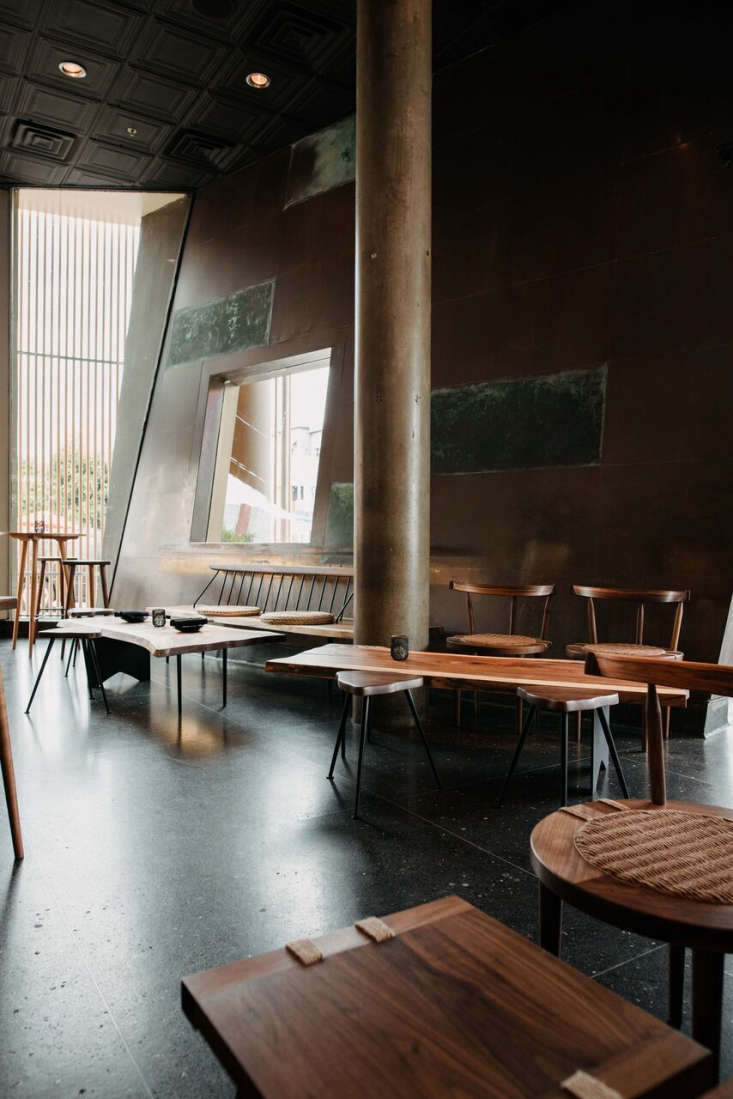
x=133 y=616
x=188 y=624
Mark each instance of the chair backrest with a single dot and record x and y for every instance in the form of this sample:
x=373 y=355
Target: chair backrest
x=513 y=593
x=641 y=597
x=685 y=674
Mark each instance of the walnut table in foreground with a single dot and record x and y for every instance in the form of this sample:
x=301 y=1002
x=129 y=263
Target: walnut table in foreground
x=454 y=1004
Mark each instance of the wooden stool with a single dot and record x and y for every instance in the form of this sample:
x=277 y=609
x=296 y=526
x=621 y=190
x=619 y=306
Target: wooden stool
x=90 y=563
x=566 y=701
x=366 y=685
x=45 y=561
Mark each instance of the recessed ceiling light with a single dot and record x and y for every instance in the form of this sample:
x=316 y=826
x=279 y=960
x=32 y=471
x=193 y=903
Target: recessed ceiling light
x=73 y=69
x=258 y=80
x=132 y=130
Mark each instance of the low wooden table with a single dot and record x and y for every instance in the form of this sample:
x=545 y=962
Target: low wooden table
x=32 y=538
x=490 y=673
x=155 y=640
x=455 y=1004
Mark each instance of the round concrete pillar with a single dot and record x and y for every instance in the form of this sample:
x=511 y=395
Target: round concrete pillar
x=392 y=390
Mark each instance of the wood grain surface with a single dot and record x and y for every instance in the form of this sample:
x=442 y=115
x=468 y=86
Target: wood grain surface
x=462 y=670
x=456 y=1004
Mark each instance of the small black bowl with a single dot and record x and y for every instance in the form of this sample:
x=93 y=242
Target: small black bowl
x=133 y=616
x=188 y=624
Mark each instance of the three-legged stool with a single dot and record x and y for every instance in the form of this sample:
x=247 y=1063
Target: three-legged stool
x=566 y=700
x=366 y=685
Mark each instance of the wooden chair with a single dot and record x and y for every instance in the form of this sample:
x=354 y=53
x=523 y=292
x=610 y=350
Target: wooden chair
x=56 y=585
x=663 y=894
x=6 y=765
x=366 y=685
x=641 y=597
x=502 y=644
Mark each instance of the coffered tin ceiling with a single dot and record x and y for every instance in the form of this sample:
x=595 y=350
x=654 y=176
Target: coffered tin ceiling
x=165 y=103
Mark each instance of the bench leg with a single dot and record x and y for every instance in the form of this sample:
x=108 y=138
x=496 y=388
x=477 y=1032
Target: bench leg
x=6 y=764
x=515 y=758
x=91 y=646
x=421 y=731
x=178 y=686
x=223 y=678
x=707 y=1000
x=340 y=736
x=676 y=984
x=362 y=742
x=40 y=673
x=613 y=752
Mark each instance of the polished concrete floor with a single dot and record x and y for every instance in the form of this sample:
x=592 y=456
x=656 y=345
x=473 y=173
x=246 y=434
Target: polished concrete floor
x=153 y=852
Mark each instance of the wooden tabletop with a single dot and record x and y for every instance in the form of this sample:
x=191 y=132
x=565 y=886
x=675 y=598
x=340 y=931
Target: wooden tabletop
x=159 y=640
x=462 y=670
x=343 y=630
x=559 y=866
x=455 y=1004
x=33 y=535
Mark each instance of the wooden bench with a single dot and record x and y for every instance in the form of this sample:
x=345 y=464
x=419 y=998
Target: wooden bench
x=318 y=589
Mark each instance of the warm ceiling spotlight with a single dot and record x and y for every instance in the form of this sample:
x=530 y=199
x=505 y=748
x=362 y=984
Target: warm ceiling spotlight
x=258 y=80
x=73 y=69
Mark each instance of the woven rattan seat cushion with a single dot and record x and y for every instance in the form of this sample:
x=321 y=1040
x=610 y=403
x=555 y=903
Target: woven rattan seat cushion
x=686 y=854
x=215 y=610
x=299 y=618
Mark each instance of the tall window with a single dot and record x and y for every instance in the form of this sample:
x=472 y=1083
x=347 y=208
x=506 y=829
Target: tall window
x=268 y=454
x=74 y=265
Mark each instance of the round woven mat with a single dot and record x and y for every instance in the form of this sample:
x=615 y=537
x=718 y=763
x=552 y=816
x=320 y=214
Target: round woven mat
x=226 y=610
x=686 y=854
x=298 y=618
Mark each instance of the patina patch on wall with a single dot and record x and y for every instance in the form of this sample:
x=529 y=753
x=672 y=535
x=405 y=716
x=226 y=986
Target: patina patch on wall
x=322 y=161
x=340 y=521
x=234 y=323
x=525 y=423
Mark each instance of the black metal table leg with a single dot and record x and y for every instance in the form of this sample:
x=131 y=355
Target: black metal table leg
x=72 y=646
x=178 y=684
x=97 y=671
x=550 y=912
x=707 y=1000
x=613 y=752
x=599 y=753
x=224 y=677
x=87 y=666
x=518 y=751
x=362 y=742
x=418 y=723
x=340 y=736
x=40 y=673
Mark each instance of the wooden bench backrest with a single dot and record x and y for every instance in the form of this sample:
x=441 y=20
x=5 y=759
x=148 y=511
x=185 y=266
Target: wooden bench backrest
x=284 y=587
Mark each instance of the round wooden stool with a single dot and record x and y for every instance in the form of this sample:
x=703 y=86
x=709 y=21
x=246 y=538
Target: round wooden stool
x=366 y=685
x=682 y=921
x=566 y=701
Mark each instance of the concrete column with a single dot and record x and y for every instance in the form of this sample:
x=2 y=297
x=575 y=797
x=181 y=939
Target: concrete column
x=392 y=420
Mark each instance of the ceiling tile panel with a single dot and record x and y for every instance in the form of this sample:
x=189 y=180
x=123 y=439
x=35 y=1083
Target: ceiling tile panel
x=180 y=54
x=91 y=23
x=166 y=174
x=152 y=95
x=46 y=56
x=30 y=169
x=112 y=160
x=23 y=13
x=214 y=114
x=301 y=35
x=224 y=19
x=42 y=140
x=8 y=92
x=49 y=105
x=13 y=49
x=124 y=128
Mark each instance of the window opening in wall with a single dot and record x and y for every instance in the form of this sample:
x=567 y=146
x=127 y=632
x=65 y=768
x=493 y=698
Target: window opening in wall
x=268 y=454
x=74 y=260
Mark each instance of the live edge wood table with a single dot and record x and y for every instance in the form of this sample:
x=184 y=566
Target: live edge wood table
x=494 y=673
x=452 y=1003
x=123 y=638
x=32 y=538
